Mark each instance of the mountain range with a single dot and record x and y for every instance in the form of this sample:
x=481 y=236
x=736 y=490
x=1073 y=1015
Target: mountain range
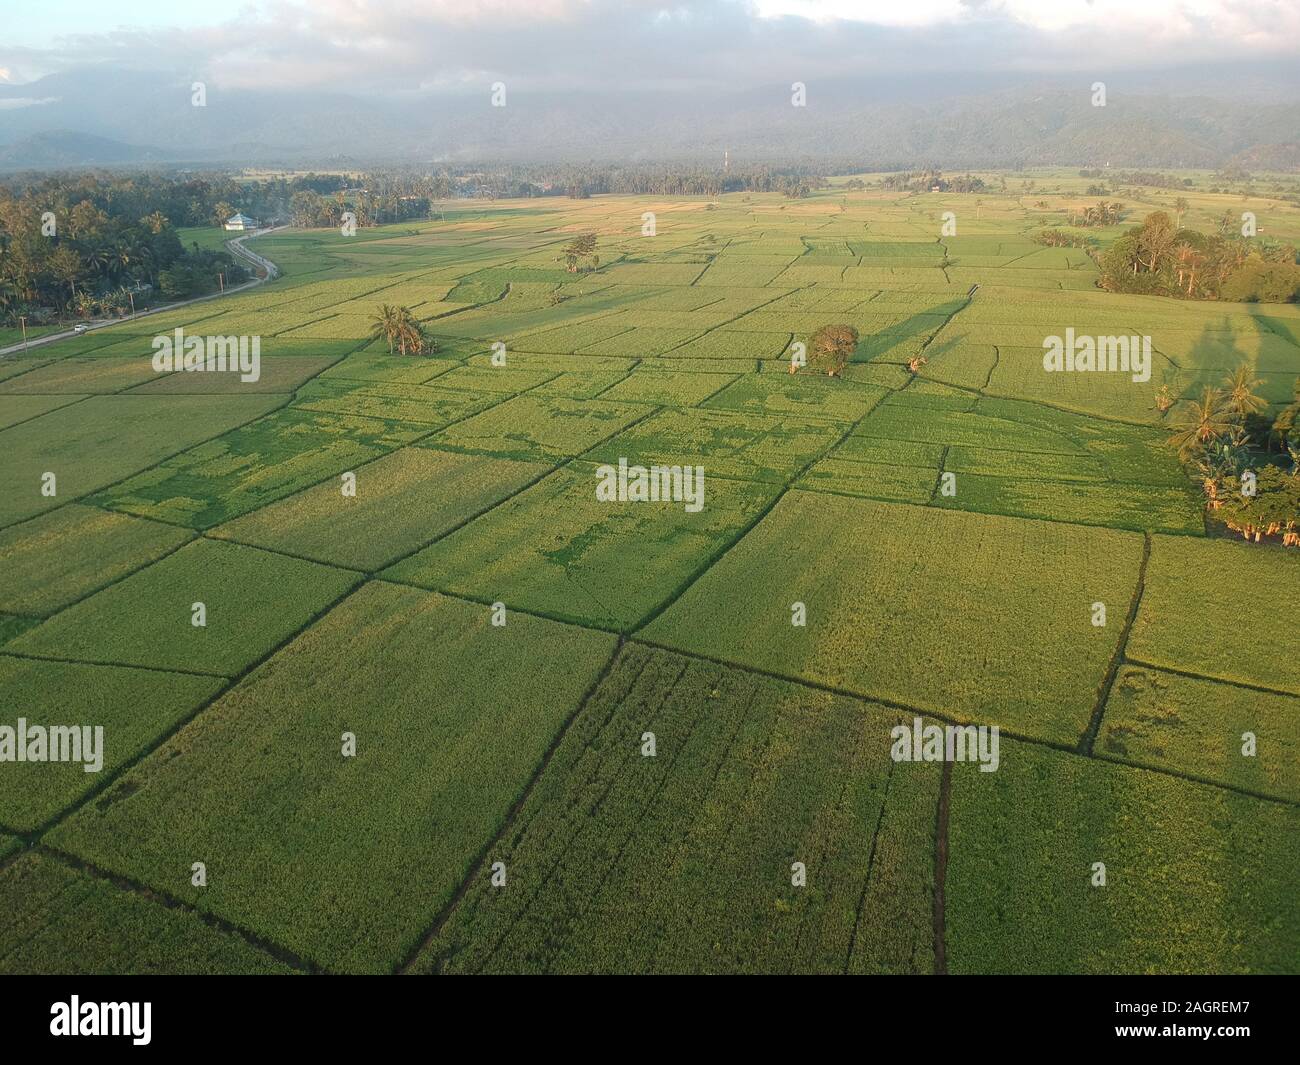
x=102 y=115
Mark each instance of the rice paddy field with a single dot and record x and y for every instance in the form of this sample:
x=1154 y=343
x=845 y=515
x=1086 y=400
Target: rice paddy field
x=388 y=685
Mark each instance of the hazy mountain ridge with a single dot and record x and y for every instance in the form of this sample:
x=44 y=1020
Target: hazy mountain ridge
x=64 y=148
x=99 y=115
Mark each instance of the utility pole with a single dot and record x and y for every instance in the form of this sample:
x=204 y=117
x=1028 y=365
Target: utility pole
x=221 y=280
x=131 y=297
x=23 y=319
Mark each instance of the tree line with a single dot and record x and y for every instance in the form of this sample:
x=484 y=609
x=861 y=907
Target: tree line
x=931 y=179
x=97 y=242
x=1102 y=213
x=1139 y=177
x=311 y=210
x=61 y=255
x=1226 y=436
x=1160 y=258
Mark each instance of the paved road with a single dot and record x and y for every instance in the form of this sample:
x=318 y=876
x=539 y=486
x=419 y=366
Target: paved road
x=237 y=249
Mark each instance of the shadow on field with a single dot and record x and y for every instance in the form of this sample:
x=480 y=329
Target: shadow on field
x=880 y=345
x=1212 y=358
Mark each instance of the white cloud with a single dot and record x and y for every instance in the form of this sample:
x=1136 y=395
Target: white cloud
x=595 y=45
x=13 y=103
x=1230 y=20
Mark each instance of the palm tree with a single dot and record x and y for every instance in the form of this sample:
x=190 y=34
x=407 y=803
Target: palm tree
x=122 y=255
x=410 y=333
x=1200 y=422
x=97 y=258
x=148 y=262
x=410 y=336
x=400 y=327
x=66 y=266
x=1241 y=399
x=387 y=324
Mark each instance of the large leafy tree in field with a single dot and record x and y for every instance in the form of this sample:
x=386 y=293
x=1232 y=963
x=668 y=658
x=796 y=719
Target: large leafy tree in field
x=831 y=347
x=580 y=248
x=1157 y=257
x=1273 y=510
x=1156 y=239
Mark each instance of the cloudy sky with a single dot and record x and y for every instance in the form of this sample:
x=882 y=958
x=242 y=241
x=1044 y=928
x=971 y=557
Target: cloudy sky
x=406 y=45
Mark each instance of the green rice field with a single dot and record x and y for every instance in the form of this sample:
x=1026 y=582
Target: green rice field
x=395 y=675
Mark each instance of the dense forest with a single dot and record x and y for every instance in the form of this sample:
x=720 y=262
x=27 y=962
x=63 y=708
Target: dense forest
x=94 y=245
x=97 y=243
